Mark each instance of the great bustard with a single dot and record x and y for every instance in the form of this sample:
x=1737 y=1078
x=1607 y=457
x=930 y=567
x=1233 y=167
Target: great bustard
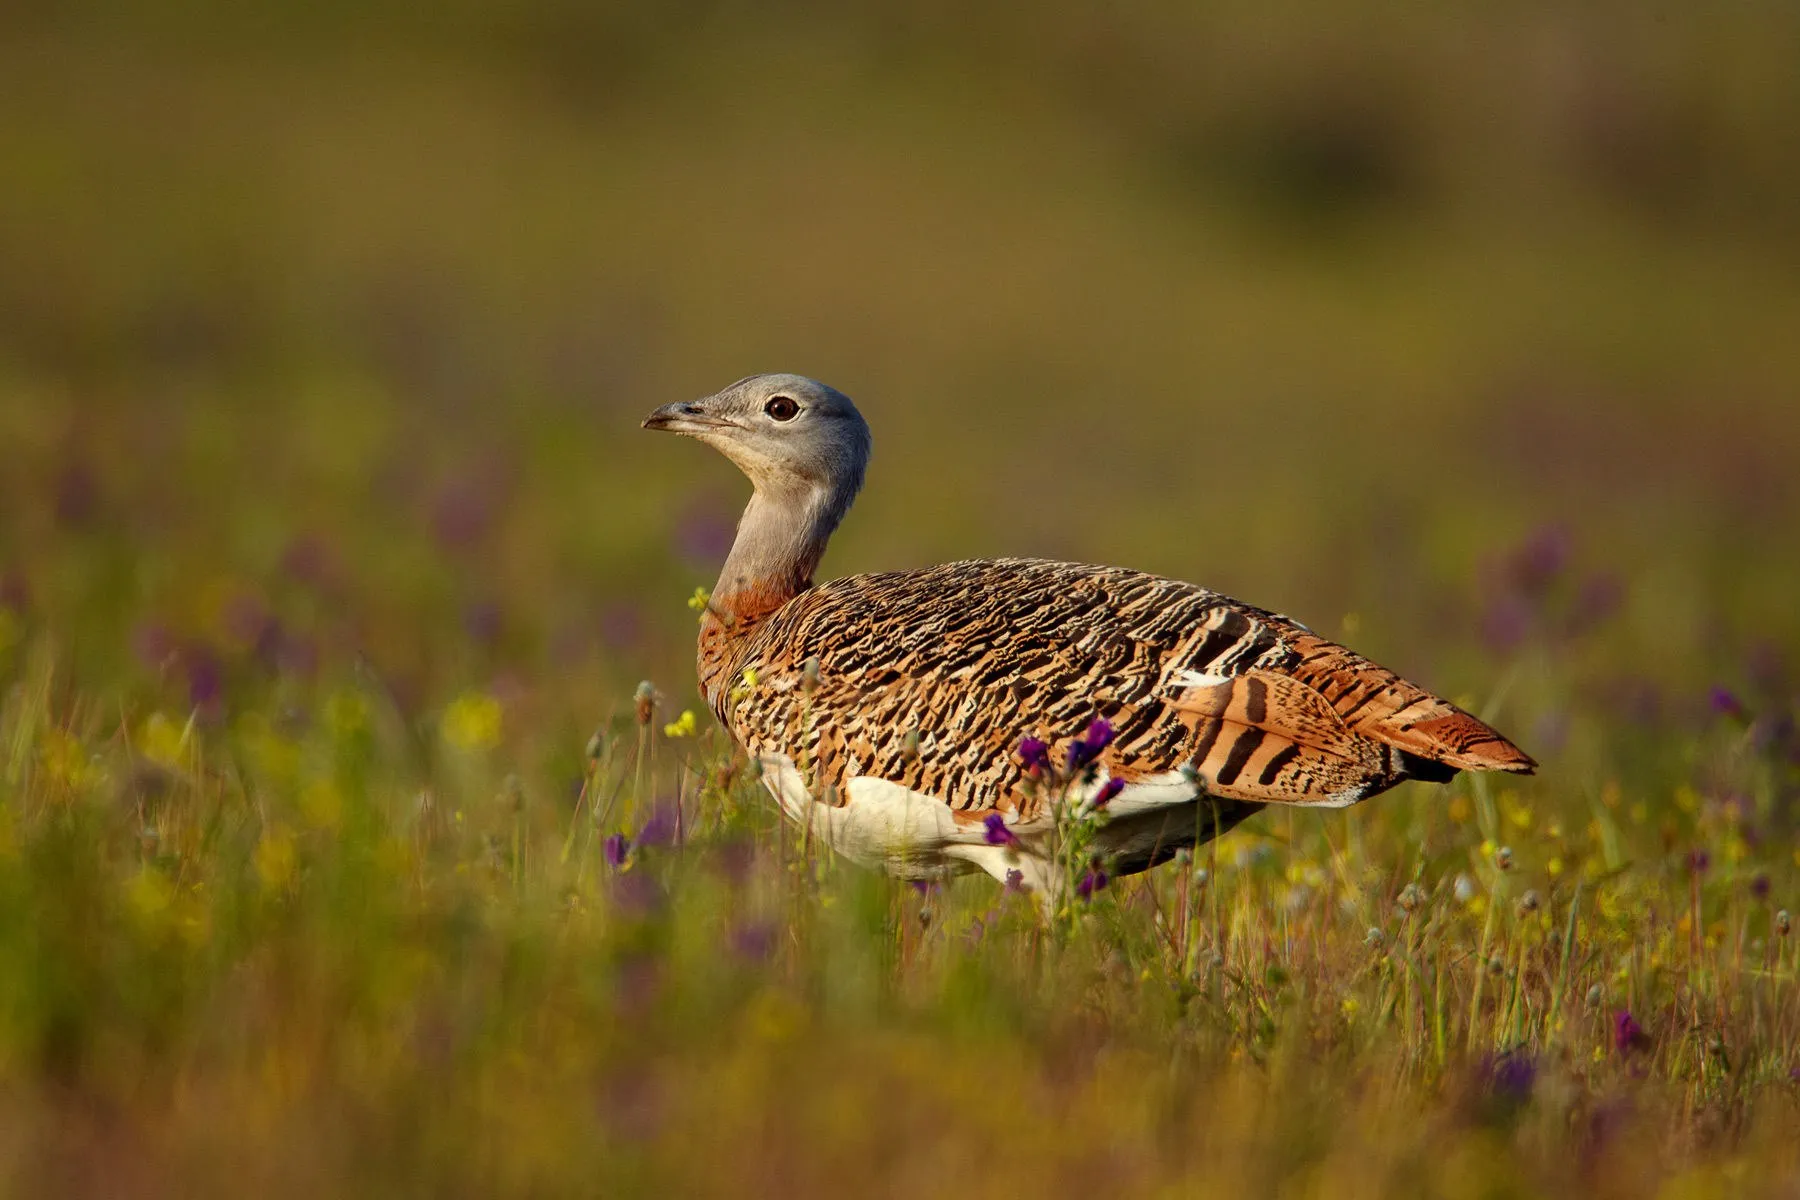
x=909 y=718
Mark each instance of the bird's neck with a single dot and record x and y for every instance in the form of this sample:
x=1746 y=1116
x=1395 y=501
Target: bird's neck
x=780 y=540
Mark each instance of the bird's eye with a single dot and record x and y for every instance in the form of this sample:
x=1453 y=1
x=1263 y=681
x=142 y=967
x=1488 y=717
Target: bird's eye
x=782 y=408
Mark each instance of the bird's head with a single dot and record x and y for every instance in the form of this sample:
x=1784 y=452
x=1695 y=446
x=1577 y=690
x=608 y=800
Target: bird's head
x=789 y=434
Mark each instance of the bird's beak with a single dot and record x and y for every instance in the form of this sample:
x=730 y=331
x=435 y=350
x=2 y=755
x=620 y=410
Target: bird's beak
x=684 y=417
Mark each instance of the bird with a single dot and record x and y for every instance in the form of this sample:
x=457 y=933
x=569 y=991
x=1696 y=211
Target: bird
x=1050 y=723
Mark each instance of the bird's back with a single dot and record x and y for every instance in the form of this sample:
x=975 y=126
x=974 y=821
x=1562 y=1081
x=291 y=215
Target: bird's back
x=930 y=678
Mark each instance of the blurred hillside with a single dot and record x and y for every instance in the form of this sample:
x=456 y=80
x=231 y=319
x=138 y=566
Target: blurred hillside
x=339 y=319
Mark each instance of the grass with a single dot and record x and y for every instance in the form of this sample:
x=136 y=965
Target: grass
x=341 y=851
x=323 y=946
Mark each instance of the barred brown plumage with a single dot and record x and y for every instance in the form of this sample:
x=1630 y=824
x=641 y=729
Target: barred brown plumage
x=886 y=709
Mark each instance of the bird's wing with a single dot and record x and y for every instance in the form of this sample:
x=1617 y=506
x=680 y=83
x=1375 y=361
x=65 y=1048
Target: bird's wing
x=931 y=678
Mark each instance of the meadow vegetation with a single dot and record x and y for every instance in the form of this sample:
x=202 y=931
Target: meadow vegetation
x=344 y=848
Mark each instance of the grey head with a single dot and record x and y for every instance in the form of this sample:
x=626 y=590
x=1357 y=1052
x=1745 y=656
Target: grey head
x=805 y=447
x=793 y=436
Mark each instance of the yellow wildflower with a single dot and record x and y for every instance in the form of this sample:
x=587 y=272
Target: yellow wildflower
x=272 y=755
x=276 y=859
x=686 y=726
x=699 y=600
x=472 y=722
x=148 y=895
x=162 y=742
x=322 y=804
x=66 y=762
x=347 y=713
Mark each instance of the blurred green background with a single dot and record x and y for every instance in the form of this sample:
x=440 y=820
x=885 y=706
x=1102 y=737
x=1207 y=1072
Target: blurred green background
x=1327 y=306
x=328 y=536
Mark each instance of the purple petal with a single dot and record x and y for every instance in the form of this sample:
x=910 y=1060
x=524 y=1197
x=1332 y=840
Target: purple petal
x=1726 y=704
x=1628 y=1035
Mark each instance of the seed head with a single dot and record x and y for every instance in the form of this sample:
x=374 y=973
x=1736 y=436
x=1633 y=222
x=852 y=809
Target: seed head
x=646 y=701
x=809 y=676
x=1411 y=896
x=1374 y=939
x=1503 y=858
x=1528 y=903
x=909 y=745
x=1783 y=923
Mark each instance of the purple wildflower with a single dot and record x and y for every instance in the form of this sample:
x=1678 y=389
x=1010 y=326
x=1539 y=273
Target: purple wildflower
x=1512 y=1078
x=1698 y=860
x=925 y=887
x=1759 y=886
x=462 y=513
x=1725 y=704
x=753 y=940
x=735 y=859
x=154 y=645
x=703 y=533
x=15 y=593
x=1034 y=754
x=296 y=654
x=482 y=622
x=1628 y=1035
x=1539 y=560
x=1599 y=599
x=616 y=848
x=1505 y=623
x=639 y=894
x=1085 y=749
x=205 y=680
x=621 y=624
x=77 y=494
x=1015 y=880
x=1108 y=791
x=308 y=560
x=994 y=826
x=1093 y=881
x=661 y=828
